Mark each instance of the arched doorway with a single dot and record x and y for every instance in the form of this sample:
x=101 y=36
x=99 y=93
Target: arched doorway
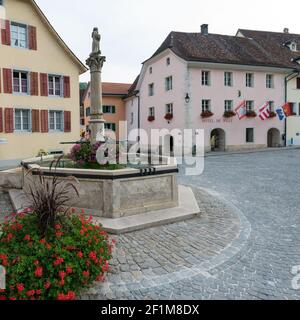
x=274 y=138
x=217 y=140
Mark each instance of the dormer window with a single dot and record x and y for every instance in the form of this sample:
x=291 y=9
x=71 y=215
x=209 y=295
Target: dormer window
x=293 y=46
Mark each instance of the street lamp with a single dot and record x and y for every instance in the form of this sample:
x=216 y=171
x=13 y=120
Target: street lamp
x=187 y=98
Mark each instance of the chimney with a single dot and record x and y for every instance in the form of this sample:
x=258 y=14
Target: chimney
x=286 y=30
x=204 y=29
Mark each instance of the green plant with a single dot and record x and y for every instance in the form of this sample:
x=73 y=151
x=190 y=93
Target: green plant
x=49 y=197
x=70 y=257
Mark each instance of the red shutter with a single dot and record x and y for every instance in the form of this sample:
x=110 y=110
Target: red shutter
x=9 y=120
x=67 y=92
x=5 y=33
x=0 y=78
x=35 y=120
x=67 y=121
x=298 y=83
x=44 y=121
x=34 y=84
x=44 y=84
x=1 y=120
x=7 y=81
x=32 y=38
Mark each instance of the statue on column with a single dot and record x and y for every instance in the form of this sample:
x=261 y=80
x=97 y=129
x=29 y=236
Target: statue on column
x=96 y=41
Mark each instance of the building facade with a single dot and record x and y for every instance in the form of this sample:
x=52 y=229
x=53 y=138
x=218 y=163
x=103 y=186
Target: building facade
x=39 y=96
x=196 y=80
x=113 y=95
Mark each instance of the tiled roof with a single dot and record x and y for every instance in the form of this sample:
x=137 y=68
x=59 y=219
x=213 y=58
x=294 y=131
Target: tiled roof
x=110 y=88
x=224 y=49
x=132 y=89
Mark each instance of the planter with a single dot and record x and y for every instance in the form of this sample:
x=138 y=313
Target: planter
x=169 y=116
x=206 y=114
x=251 y=114
x=229 y=114
x=151 y=118
x=272 y=114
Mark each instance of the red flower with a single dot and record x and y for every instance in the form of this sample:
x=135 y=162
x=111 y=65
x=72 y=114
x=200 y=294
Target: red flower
x=80 y=254
x=100 y=278
x=58 y=227
x=38 y=272
x=69 y=270
x=58 y=262
x=2 y=298
x=20 y=287
x=47 y=285
x=36 y=262
x=9 y=236
x=12 y=299
x=39 y=292
x=30 y=293
x=43 y=241
x=62 y=274
x=62 y=282
x=59 y=234
x=86 y=274
x=63 y=297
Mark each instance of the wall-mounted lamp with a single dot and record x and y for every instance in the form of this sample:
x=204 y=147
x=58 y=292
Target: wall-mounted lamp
x=187 y=98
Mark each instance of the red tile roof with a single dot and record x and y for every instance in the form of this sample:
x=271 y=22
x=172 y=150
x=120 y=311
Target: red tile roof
x=120 y=89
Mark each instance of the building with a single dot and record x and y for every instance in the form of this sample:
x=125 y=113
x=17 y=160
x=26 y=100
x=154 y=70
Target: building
x=286 y=46
x=39 y=97
x=82 y=89
x=113 y=106
x=194 y=79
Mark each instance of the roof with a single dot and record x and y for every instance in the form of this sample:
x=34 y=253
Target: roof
x=273 y=43
x=82 y=67
x=132 y=90
x=225 y=49
x=111 y=88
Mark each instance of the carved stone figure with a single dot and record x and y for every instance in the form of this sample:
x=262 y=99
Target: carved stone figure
x=96 y=41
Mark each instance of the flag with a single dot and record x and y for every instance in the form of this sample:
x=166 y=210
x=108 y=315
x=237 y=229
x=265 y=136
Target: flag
x=264 y=111
x=280 y=113
x=241 y=110
x=287 y=110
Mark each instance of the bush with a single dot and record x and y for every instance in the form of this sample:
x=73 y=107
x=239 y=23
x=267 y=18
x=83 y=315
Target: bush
x=71 y=257
x=84 y=153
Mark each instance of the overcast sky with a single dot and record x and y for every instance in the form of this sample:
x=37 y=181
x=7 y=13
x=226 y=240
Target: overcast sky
x=133 y=29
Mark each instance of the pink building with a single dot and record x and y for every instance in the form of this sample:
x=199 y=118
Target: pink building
x=195 y=80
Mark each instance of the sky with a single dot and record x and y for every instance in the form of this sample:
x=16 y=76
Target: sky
x=132 y=30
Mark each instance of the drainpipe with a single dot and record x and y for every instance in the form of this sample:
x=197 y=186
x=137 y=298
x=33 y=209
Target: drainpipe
x=288 y=78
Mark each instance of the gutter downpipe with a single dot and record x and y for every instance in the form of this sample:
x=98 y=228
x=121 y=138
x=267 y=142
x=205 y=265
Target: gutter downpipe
x=286 y=80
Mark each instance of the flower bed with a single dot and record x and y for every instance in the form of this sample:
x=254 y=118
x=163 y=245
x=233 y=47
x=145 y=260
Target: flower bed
x=206 y=114
x=229 y=114
x=251 y=114
x=70 y=257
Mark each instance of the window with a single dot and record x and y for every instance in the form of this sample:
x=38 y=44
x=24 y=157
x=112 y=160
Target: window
x=1 y=2
x=205 y=78
x=206 y=105
x=293 y=108
x=88 y=112
x=54 y=85
x=150 y=70
x=249 y=106
x=228 y=79
x=56 y=120
x=151 y=112
x=169 y=108
x=109 y=109
x=22 y=120
x=271 y=106
x=269 y=81
x=168 y=61
x=169 y=83
x=20 y=82
x=151 y=89
x=19 y=35
x=110 y=126
x=249 y=135
x=249 y=80
x=228 y=105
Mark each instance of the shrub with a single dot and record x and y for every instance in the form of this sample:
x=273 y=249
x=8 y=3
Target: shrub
x=70 y=257
x=206 y=114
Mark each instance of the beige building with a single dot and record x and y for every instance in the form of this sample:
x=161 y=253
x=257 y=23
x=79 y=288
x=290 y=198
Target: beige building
x=39 y=96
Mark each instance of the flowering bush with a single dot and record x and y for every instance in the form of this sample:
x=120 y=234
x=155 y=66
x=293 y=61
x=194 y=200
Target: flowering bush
x=251 y=114
x=169 y=116
x=229 y=114
x=84 y=153
x=151 y=118
x=206 y=114
x=71 y=256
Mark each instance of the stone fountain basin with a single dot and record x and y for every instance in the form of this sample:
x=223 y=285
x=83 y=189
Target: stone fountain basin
x=118 y=193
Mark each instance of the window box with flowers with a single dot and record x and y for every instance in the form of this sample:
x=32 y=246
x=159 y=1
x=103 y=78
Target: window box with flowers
x=272 y=114
x=229 y=114
x=151 y=118
x=251 y=114
x=169 y=116
x=206 y=114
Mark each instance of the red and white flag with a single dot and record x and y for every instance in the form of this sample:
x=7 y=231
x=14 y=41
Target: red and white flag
x=241 y=110
x=264 y=111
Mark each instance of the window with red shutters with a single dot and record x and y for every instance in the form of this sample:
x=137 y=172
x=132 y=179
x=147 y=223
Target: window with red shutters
x=67 y=92
x=35 y=120
x=9 y=120
x=67 y=121
x=44 y=121
x=44 y=84
x=32 y=38
x=1 y=120
x=7 y=81
x=298 y=83
x=5 y=33
x=34 y=84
